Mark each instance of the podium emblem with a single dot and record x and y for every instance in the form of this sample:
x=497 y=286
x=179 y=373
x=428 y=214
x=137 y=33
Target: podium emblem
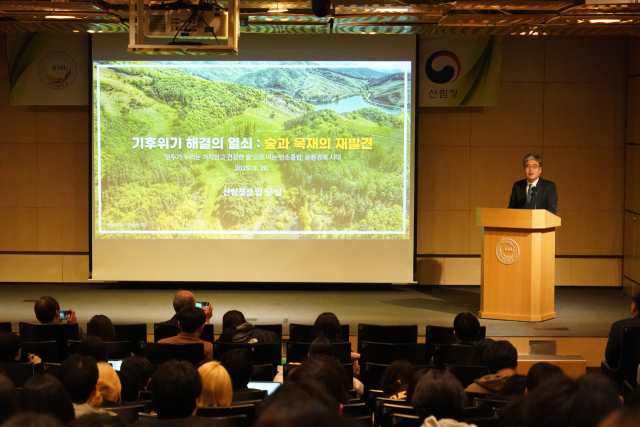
x=507 y=251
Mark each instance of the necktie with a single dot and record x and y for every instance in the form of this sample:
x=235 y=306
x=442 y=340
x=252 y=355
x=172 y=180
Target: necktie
x=529 y=193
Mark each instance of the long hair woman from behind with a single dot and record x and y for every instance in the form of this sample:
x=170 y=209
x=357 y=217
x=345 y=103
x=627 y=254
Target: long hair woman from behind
x=101 y=326
x=396 y=378
x=327 y=325
x=216 y=386
x=437 y=396
x=44 y=394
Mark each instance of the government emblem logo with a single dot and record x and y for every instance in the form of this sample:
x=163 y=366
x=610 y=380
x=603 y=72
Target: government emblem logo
x=507 y=251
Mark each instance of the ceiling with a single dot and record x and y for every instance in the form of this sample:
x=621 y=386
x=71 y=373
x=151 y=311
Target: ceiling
x=464 y=17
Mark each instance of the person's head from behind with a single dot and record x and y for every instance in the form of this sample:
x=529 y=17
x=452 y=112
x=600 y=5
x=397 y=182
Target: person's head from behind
x=501 y=357
x=8 y=398
x=515 y=385
x=182 y=300
x=415 y=379
x=239 y=366
x=569 y=403
x=10 y=345
x=232 y=319
x=109 y=386
x=477 y=359
x=29 y=419
x=635 y=305
x=297 y=405
x=396 y=375
x=94 y=347
x=140 y=367
x=191 y=320
x=175 y=387
x=47 y=310
x=321 y=346
x=216 y=386
x=44 y=394
x=79 y=375
x=541 y=372
x=101 y=326
x=466 y=327
x=97 y=420
x=325 y=370
x=439 y=394
x=625 y=416
x=327 y=325
x=130 y=391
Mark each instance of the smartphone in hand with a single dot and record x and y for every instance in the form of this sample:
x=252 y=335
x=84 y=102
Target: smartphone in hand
x=65 y=314
x=203 y=305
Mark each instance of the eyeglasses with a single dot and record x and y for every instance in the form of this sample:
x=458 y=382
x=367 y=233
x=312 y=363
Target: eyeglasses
x=534 y=167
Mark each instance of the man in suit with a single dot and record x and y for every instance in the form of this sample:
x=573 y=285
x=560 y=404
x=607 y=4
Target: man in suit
x=614 y=345
x=184 y=299
x=534 y=192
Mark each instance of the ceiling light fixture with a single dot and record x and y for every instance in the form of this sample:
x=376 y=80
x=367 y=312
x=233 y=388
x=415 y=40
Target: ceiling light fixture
x=59 y=17
x=604 y=21
x=277 y=9
x=392 y=10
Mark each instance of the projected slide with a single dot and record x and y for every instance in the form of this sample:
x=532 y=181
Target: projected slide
x=252 y=150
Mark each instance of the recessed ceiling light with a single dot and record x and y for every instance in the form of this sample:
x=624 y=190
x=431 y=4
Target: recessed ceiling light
x=59 y=17
x=604 y=21
x=90 y=31
x=391 y=9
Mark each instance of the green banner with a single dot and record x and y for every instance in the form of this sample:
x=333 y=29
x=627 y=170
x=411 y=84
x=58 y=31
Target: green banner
x=459 y=70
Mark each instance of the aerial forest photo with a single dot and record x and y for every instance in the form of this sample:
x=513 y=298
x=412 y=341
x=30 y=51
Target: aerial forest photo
x=253 y=150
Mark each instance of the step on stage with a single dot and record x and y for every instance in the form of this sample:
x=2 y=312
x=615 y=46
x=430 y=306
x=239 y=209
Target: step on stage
x=584 y=315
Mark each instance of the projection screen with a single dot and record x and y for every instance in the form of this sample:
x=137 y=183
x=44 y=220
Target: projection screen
x=290 y=162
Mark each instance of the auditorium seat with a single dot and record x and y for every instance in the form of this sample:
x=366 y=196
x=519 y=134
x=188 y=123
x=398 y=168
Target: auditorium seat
x=467 y=374
x=444 y=335
x=263 y=373
x=487 y=406
x=18 y=373
x=387 y=334
x=453 y=354
x=48 y=368
x=261 y=353
x=302 y=333
x=161 y=332
x=157 y=354
x=246 y=409
x=127 y=414
x=134 y=333
x=356 y=411
x=298 y=351
x=371 y=373
x=5 y=326
x=47 y=351
x=386 y=353
x=61 y=333
x=402 y=420
x=245 y=396
x=115 y=349
x=627 y=369
x=276 y=328
x=384 y=408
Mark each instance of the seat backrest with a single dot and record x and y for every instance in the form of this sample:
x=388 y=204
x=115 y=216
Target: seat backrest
x=246 y=409
x=302 y=333
x=371 y=373
x=18 y=373
x=5 y=326
x=127 y=414
x=61 y=333
x=630 y=353
x=444 y=335
x=263 y=373
x=275 y=328
x=453 y=354
x=245 y=396
x=467 y=374
x=48 y=368
x=387 y=334
x=355 y=410
x=386 y=354
x=47 y=351
x=488 y=406
x=160 y=353
x=134 y=333
x=162 y=331
x=261 y=353
x=115 y=349
x=384 y=408
x=401 y=420
x=297 y=351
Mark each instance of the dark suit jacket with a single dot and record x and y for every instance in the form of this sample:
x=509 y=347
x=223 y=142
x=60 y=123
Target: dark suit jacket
x=171 y=322
x=612 y=352
x=547 y=197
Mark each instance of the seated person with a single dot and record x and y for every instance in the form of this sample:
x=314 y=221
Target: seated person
x=326 y=371
x=94 y=347
x=79 y=375
x=216 y=386
x=327 y=325
x=11 y=349
x=8 y=398
x=395 y=380
x=184 y=299
x=135 y=376
x=102 y=327
x=236 y=329
x=541 y=372
x=515 y=385
x=44 y=394
x=501 y=359
x=47 y=312
x=614 y=345
x=175 y=388
x=191 y=321
x=465 y=328
x=108 y=387
x=439 y=400
x=239 y=366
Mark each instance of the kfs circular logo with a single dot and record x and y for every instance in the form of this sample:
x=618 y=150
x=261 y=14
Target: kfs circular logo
x=446 y=73
x=507 y=251
x=57 y=70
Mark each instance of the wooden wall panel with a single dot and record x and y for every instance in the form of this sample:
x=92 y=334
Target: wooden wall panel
x=19 y=231
x=634 y=273
x=619 y=177
x=627 y=286
x=516 y=121
x=621 y=113
x=445 y=126
x=523 y=59
x=63 y=125
x=630 y=225
x=462 y=271
x=18 y=176
x=475 y=234
x=63 y=175
x=4 y=65
x=63 y=229
x=431 y=271
x=633 y=110
x=75 y=268
x=632 y=175
x=590 y=233
x=634 y=56
x=596 y=272
x=17 y=123
x=443 y=178
x=443 y=232
x=30 y=268
x=563 y=272
x=579 y=114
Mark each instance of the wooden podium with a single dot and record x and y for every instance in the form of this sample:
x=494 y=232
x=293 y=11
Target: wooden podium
x=518 y=264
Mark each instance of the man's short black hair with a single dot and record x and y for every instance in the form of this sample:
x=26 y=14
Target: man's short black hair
x=293 y=405
x=79 y=376
x=327 y=371
x=175 y=386
x=10 y=344
x=46 y=309
x=140 y=367
x=466 y=326
x=239 y=365
x=439 y=394
x=500 y=355
x=541 y=372
x=190 y=319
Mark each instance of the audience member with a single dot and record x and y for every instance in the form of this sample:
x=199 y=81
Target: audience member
x=135 y=375
x=465 y=328
x=327 y=325
x=501 y=359
x=108 y=387
x=29 y=419
x=11 y=349
x=540 y=373
x=130 y=391
x=47 y=312
x=216 y=386
x=415 y=379
x=236 y=329
x=625 y=416
x=327 y=371
x=184 y=299
x=44 y=394
x=478 y=352
x=101 y=326
x=614 y=345
x=515 y=385
x=239 y=366
x=439 y=400
x=395 y=380
x=321 y=346
x=191 y=321
x=8 y=398
x=79 y=375
x=94 y=347
x=97 y=420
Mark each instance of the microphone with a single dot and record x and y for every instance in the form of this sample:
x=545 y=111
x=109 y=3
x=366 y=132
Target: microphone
x=534 y=193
